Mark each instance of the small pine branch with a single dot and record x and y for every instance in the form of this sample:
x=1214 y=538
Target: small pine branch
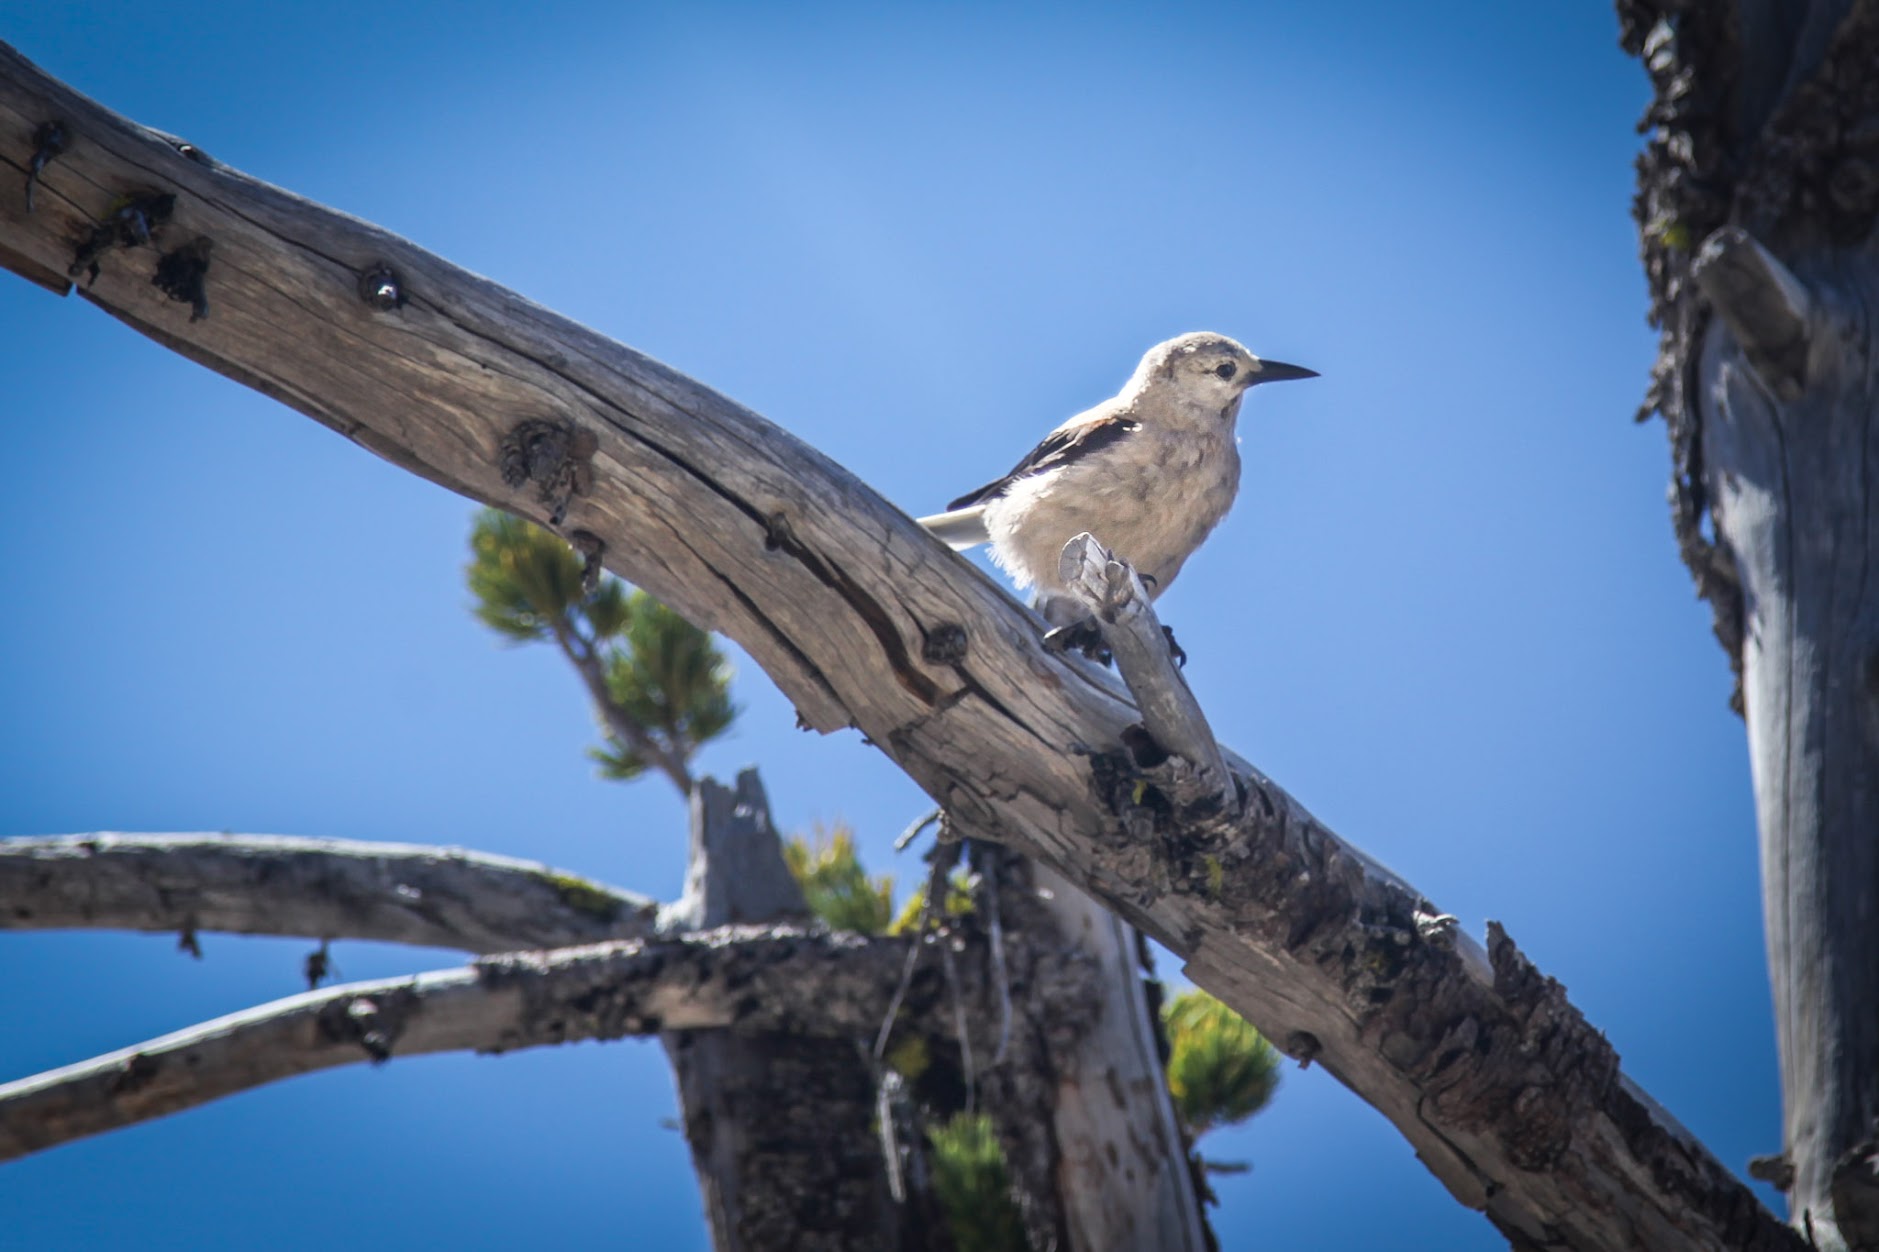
x=1220 y=1070
x=959 y=903
x=974 y=1186
x=526 y=582
x=616 y=762
x=661 y=685
x=668 y=676
x=838 y=889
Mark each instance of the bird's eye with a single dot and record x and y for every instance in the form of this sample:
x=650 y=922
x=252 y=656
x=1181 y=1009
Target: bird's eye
x=1227 y=370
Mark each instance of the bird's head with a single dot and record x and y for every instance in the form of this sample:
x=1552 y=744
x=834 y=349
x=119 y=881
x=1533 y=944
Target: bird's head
x=1208 y=372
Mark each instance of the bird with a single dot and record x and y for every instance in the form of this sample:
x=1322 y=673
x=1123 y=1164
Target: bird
x=1150 y=472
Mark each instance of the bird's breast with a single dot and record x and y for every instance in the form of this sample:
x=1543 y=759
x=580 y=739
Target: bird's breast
x=1152 y=504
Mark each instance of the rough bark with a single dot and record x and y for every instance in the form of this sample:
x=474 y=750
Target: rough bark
x=780 y=1124
x=1765 y=152
x=753 y=981
x=863 y=620
x=319 y=888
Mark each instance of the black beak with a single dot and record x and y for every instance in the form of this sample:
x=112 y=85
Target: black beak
x=1280 y=372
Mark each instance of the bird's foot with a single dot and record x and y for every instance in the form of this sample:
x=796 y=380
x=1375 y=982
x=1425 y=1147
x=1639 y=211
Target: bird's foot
x=1175 y=650
x=1082 y=636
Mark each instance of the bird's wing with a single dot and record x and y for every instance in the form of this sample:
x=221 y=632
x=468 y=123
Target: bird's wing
x=1069 y=443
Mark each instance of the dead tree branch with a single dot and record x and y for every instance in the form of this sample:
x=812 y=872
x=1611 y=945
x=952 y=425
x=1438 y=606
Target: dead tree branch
x=739 y=978
x=319 y=888
x=1503 y=1088
x=1766 y=307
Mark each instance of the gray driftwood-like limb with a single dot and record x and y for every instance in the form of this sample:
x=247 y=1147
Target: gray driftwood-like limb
x=319 y=888
x=1509 y=1096
x=1766 y=307
x=1113 y=593
x=743 y=979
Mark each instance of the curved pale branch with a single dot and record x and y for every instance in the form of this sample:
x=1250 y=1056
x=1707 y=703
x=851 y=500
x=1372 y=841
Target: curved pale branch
x=319 y=888
x=1505 y=1091
x=740 y=978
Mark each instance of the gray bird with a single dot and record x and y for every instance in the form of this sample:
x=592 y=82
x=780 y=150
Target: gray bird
x=1150 y=473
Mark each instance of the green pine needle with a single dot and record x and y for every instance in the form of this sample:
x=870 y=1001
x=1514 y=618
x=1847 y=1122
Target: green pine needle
x=662 y=673
x=527 y=582
x=959 y=903
x=669 y=676
x=838 y=889
x=1221 y=1071
x=974 y=1187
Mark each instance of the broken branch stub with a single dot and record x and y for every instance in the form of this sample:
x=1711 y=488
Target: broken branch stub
x=1113 y=593
x=1767 y=308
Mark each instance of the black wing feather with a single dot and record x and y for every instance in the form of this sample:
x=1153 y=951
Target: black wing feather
x=1060 y=448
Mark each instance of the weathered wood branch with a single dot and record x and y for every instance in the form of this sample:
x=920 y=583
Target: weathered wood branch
x=319 y=888
x=1792 y=485
x=1505 y=1091
x=741 y=978
x=1121 y=1152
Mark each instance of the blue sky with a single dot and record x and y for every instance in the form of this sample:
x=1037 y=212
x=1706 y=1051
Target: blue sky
x=1446 y=612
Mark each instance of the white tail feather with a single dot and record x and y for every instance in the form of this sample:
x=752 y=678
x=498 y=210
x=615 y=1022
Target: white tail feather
x=959 y=529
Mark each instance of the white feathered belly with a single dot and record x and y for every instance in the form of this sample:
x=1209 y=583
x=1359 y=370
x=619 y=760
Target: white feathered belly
x=1151 y=505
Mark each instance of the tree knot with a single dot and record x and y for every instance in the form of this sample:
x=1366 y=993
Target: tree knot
x=945 y=644
x=182 y=275
x=49 y=140
x=132 y=222
x=556 y=456
x=380 y=288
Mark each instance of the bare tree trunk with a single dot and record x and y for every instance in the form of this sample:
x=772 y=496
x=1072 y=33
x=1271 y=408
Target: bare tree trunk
x=1127 y=1180
x=1766 y=153
x=780 y=1125
x=1098 y=1156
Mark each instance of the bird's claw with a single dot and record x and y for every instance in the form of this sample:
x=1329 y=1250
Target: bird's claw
x=1081 y=636
x=1086 y=638
x=1175 y=650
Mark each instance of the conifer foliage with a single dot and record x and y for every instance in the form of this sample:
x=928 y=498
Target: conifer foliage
x=660 y=685
x=839 y=890
x=1221 y=1071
